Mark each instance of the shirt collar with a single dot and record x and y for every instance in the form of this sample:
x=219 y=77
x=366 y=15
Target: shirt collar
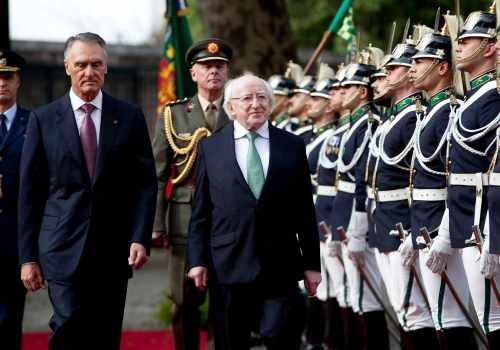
x=77 y=102
x=10 y=113
x=204 y=103
x=240 y=131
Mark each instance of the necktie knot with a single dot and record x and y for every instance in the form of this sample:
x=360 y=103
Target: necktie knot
x=88 y=108
x=252 y=135
x=3 y=118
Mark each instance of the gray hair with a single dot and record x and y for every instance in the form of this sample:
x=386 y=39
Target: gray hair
x=229 y=89
x=87 y=37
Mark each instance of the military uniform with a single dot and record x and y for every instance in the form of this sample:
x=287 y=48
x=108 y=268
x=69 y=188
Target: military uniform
x=13 y=124
x=180 y=126
x=391 y=192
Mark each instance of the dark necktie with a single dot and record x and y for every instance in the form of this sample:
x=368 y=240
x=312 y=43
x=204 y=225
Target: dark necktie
x=3 y=128
x=88 y=137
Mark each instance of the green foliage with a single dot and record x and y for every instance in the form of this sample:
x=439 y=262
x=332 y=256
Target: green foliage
x=164 y=312
x=372 y=18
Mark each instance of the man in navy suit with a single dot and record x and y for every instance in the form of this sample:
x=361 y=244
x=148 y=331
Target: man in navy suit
x=253 y=230
x=13 y=120
x=87 y=202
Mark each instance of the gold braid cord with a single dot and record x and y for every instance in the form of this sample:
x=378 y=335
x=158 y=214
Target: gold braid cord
x=189 y=151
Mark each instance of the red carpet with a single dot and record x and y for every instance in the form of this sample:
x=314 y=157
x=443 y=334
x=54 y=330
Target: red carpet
x=131 y=340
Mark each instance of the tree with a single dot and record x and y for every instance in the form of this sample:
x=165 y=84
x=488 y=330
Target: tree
x=258 y=30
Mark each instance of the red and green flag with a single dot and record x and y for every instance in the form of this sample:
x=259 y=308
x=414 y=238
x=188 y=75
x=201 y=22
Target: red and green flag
x=174 y=80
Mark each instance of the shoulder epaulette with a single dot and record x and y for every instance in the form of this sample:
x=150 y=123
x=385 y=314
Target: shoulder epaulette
x=176 y=102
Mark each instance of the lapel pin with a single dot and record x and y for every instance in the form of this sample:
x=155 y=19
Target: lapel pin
x=115 y=121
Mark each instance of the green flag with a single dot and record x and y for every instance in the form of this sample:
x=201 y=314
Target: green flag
x=174 y=80
x=347 y=30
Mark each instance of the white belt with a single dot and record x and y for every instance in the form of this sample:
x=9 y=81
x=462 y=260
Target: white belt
x=346 y=186
x=468 y=179
x=329 y=191
x=369 y=192
x=392 y=195
x=494 y=179
x=477 y=180
x=425 y=194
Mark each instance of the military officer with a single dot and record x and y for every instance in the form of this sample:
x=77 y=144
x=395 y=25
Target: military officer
x=472 y=148
x=282 y=90
x=432 y=72
x=13 y=121
x=180 y=127
x=390 y=181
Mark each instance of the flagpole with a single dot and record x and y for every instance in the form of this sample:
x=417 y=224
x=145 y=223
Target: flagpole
x=332 y=29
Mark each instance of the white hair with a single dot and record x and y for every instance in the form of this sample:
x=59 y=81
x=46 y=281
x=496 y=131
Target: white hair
x=231 y=84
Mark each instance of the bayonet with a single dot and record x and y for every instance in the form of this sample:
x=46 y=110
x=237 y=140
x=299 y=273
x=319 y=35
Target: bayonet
x=407 y=29
x=391 y=38
x=436 y=20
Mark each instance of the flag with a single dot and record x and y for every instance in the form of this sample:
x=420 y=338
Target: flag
x=174 y=80
x=347 y=30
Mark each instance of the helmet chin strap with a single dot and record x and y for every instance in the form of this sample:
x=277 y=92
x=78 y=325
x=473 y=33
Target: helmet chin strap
x=426 y=72
x=353 y=98
x=476 y=52
x=397 y=84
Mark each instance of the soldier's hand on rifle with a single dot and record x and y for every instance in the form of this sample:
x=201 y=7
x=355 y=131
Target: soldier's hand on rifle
x=160 y=239
x=488 y=263
x=312 y=279
x=441 y=249
x=408 y=254
x=334 y=248
x=356 y=247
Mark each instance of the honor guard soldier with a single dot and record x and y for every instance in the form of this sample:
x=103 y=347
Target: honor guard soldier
x=390 y=186
x=349 y=207
x=296 y=112
x=471 y=152
x=321 y=115
x=13 y=121
x=282 y=90
x=182 y=124
x=433 y=72
x=491 y=266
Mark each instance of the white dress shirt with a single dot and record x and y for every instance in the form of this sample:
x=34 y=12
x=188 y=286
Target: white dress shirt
x=204 y=105
x=10 y=114
x=77 y=103
x=241 y=144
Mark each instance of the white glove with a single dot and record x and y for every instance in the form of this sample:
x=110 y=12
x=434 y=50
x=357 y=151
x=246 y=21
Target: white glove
x=334 y=248
x=358 y=225
x=441 y=247
x=408 y=253
x=356 y=247
x=489 y=264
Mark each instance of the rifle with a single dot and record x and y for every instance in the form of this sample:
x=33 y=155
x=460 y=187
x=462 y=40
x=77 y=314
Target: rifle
x=402 y=236
x=427 y=238
x=476 y=231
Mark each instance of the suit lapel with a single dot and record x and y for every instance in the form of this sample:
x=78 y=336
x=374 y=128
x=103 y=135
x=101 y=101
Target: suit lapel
x=109 y=125
x=17 y=129
x=67 y=124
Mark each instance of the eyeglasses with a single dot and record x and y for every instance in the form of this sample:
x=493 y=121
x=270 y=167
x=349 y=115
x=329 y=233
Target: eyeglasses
x=247 y=100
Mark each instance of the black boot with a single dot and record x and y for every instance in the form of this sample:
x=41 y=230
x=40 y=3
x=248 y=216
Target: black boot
x=461 y=338
x=333 y=325
x=422 y=339
x=373 y=331
x=494 y=339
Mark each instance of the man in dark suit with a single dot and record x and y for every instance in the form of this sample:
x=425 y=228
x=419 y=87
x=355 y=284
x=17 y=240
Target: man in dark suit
x=13 y=120
x=86 y=203
x=253 y=229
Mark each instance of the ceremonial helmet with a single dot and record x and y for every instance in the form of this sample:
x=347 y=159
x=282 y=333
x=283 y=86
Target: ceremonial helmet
x=340 y=76
x=306 y=85
x=434 y=46
x=326 y=80
x=281 y=85
x=480 y=24
x=361 y=73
